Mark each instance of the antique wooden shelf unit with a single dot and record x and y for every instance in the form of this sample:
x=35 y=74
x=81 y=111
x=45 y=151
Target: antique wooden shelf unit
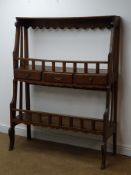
x=26 y=72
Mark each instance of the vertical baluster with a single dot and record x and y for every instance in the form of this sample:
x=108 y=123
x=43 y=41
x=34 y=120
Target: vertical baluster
x=22 y=63
x=60 y=121
x=93 y=125
x=53 y=66
x=43 y=65
x=49 y=120
x=33 y=64
x=64 y=66
x=74 y=67
x=97 y=68
x=25 y=64
x=40 y=117
x=71 y=122
x=81 y=123
x=85 y=68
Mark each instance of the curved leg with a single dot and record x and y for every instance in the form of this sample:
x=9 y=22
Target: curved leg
x=103 y=151
x=28 y=132
x=11 y=133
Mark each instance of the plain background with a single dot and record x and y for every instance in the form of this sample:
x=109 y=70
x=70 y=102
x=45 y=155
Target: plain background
x=67 y=100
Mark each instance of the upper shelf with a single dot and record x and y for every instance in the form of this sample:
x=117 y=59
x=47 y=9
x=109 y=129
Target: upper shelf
x=70 y=22
x=78 y=74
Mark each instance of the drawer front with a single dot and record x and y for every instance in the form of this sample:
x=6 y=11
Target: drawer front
x=90 y=79
x=57 y=77
x=28 y=75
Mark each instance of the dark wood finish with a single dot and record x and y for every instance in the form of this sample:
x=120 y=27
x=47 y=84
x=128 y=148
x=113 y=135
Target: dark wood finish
x=57 y=77
x=70 y=77
x=21 y=83
x=11 y=133
x=28 y=75
x=27 y=88
x=27 y=72
x=90 y=79
x=74 y=22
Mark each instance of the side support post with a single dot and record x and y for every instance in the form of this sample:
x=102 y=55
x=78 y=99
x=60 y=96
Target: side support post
x=105 y=126
x=11 y=130
x=27 y=88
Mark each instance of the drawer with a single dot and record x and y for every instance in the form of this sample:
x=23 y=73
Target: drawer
x=28 y=75
x=87 y=79
x=57 y=77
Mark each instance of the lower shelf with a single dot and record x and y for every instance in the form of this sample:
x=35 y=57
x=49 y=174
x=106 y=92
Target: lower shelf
x=59 y=121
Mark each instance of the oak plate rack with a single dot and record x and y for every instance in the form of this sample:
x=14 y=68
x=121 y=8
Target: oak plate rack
x=27 y=72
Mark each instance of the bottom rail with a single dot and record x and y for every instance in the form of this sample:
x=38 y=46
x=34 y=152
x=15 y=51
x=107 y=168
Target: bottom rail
x=59 y=121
